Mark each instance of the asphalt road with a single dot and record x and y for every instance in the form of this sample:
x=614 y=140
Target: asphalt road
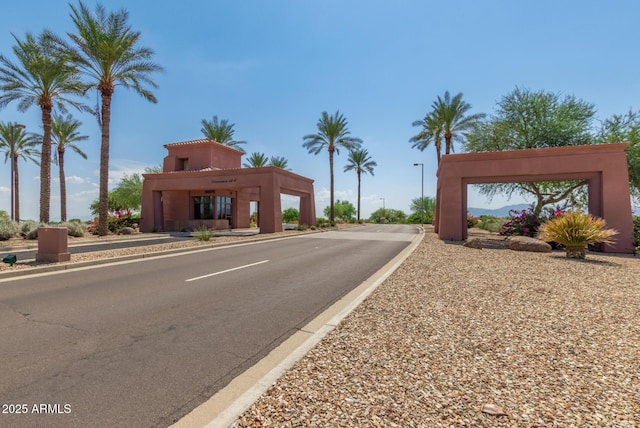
x=143 y=343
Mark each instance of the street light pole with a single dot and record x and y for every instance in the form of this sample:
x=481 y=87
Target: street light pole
x=12 y=143
x=421 y=194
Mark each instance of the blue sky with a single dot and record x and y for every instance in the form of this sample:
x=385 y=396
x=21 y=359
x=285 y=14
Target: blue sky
x=272 y=67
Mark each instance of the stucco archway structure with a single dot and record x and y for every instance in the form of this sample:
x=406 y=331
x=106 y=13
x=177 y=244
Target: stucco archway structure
x=603 y=166
x=203 y=185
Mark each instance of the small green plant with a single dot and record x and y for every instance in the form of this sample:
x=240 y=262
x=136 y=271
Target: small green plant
x=575 y=230
x=203 y=234
x=8 y=229
x=301 y=227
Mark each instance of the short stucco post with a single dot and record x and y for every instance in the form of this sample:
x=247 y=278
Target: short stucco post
x=53 y=245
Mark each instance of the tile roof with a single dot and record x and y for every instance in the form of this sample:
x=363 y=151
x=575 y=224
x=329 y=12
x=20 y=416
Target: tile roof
x=200 y=141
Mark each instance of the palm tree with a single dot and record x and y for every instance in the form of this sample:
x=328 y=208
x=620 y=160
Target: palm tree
x=279 y=162
x=451 y=114
x=221 y=131
x=256 y=160
x=17 y=144
x=106 y=51
x=360 y=162
x=44 y=78
x=332 y=134
x=431 y=131
x=64 y=134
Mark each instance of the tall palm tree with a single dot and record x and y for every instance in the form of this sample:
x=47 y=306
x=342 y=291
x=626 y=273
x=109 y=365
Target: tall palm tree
x=107 y=52
x=65 y=133
x=451 y=114
x=332 y=134
x=221 y=131
x=42 y=77
x=431 y=132
x=17 y=144
x=256 y=160
x=279 y=162
x=360 y=162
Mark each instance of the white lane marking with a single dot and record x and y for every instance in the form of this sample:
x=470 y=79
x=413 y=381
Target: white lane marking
x=225 y=271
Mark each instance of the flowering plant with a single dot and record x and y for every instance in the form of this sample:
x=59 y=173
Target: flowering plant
x=115 y=221
x=527 y=223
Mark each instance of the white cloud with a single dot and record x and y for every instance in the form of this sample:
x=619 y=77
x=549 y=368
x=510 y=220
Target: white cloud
x=324 y=195
x=75 y=179
x=4 y=189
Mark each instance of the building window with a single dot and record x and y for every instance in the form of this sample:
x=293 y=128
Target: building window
x=183 y=164
x=223 y=208
x=203 y=207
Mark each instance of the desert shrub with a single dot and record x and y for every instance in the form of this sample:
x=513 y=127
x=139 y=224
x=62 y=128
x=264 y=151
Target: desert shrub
x=322 y=222
x=472 y=221
x=29 y=229
x=301 y=227
x=491 y=223
x=576 y=230
x=203 y=234
x=8 y=229
x=75 y=228
x=4 y=215
x=636 y=231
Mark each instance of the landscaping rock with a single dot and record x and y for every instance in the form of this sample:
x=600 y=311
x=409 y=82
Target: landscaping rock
x=473 y=243
x=524 y=243
x=126 y=231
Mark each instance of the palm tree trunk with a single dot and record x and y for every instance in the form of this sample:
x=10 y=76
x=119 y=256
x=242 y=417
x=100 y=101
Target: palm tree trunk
x=16 y=190
x=63 y=186
x=447 y=139
x=103 y=204
x=331 y=212
x=45 y=164
x=359 y=173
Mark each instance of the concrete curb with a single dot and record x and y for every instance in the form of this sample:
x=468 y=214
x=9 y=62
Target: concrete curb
x=221 y=410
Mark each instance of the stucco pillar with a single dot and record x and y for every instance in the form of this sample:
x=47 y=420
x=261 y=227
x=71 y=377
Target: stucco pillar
x=306 y=211
x=450 y=198
x=270 y=210
x=616 y=207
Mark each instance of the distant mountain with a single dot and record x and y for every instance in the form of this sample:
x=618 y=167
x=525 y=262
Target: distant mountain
x=504 y=211
x=497 y=212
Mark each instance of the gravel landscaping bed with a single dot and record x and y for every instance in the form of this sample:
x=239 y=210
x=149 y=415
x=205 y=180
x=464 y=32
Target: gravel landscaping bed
x=475 y=338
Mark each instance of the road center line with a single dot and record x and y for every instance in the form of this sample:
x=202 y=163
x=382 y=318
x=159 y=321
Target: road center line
x=225 y=271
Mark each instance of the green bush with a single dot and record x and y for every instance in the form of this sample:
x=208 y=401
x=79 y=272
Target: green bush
x=491 y=223
x=8 y=229
x=322 y=222
x=636 y=231
x=472 y=221
x=301 y=227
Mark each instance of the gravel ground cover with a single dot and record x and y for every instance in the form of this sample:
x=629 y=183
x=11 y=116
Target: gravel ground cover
x=460 y=337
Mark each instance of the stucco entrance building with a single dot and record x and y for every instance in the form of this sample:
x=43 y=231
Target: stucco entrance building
x=204 y=185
